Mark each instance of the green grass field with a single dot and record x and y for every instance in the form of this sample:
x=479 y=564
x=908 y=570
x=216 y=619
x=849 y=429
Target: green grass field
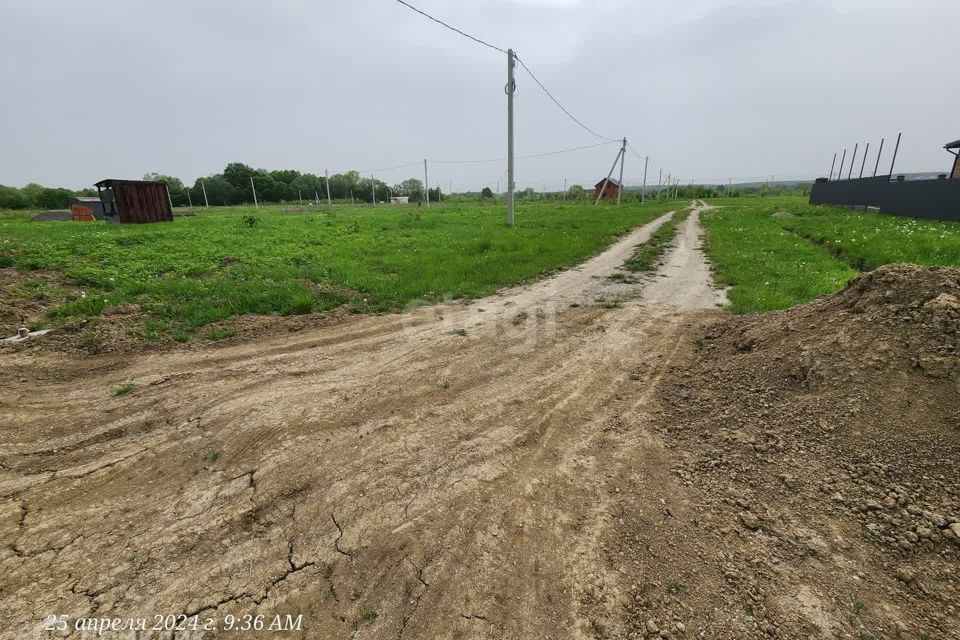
x=777 y=262
x=226 y=263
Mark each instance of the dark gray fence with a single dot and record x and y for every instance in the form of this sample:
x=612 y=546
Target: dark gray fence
x=931 y=199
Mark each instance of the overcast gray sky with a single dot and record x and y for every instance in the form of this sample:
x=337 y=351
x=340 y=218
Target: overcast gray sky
x=709 y=89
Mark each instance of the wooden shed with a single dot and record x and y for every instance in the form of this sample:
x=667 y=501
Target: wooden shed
x=610 y=193
x=134 y=201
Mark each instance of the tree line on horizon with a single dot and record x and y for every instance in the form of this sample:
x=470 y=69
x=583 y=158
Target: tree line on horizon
x=232 y=187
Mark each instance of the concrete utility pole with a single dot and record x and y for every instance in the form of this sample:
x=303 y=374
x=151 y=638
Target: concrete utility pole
x=564 y=189
x=606 y=180
x=300 y=197
x=510 y=89
x=373 y=189
x=659 y=183
x=169 y=199
x=255 y=203
x=316 y=196
x=204 y=187
x=426 y=183
x=863 y=165
x=623 y=158
x=189 y=199
x=326 y=178
x=643 y=194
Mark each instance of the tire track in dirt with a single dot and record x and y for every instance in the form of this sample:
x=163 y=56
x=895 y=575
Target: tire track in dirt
x=387 y=478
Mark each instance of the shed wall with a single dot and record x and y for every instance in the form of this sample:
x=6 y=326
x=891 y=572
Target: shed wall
x=139 y=202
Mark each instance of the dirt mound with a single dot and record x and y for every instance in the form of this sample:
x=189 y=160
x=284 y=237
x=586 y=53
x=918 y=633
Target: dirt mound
x=829 y=434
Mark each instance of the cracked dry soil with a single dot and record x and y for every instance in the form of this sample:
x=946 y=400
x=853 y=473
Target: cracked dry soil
x=502 y=469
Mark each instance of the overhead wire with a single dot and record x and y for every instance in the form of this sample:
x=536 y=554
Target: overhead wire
x=385 y=169
x=527 y=157
x=452 y=28
x=557 y=102
x=580 y=123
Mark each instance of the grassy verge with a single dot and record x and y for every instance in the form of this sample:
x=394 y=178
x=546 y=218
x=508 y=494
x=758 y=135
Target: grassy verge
x=219 y=265
x=777 y=261
x=647 y=256
x=766 y=266
x=868 y=240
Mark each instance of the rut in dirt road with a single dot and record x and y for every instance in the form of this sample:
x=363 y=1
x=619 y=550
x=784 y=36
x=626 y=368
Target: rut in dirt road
x=443 y=473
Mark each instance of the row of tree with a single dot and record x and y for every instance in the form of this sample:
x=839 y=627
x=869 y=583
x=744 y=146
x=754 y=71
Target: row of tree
x=236 y=183
x=35 y=196
x=235 y=186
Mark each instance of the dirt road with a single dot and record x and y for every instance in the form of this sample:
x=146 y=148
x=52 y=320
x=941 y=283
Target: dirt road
x=449 y=472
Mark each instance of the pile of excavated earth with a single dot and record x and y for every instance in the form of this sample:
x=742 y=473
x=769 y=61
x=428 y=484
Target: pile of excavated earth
x=825 y=440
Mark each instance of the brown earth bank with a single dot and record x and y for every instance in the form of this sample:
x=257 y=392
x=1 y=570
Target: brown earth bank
x=26 y=298
x=822 y=446
x=537 y=464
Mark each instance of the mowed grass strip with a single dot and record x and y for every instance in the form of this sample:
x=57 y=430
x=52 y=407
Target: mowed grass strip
x=647 y=256
x=768 y=267
x=869 y=240
x=219 y=265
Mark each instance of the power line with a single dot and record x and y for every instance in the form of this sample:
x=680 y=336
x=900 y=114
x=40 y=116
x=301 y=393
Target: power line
x=441 y=22
x=557 y=102
x=535 y=155
x=634 y=151
x=402 y=166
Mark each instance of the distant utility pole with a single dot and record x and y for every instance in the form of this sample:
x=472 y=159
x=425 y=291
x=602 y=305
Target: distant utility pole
x=326 y=178
x=189 y=199
x=204 y=187
x=643 y=193
x=373 y=189
x=879 y=153
x=623 y=155
x=300 y=197
x=564 y=189
x=659 y=183
x=426 y=183
x=316 y=195
x=252 y=186
x=863 y=165
x=510 y=89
